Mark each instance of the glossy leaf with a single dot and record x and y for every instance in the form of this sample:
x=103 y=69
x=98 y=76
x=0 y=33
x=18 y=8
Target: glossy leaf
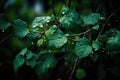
x=32 y=35
x=96 y=27
x=23 y=51
x=19 y=59
x=18 y=62
x=91 y=19
x=70 y=19
x=82 y=48
x=113 y=43
x=31 y=59
x=50 y=31
x=96 y=45
x=40 y=42
x=40 y=21
x=46 y=62
x=58 y=39
x=20 y=28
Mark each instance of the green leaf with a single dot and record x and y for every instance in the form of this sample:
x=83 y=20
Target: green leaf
x=29 y=54
x=3 y=23
x=40 y=21
x=80 y=73
x=46 y=62
x=70 y=19
x=19 y=59
x=20 y=28
x=40 y=42
x=18 y=62
x=50 y=31
x=113 y=43
x=32 y=35
x=82 y=48
x=31 y=59
x=58 y=39
x=96 y=45
x=23 y=52
x=96 y=27
x=91 y=19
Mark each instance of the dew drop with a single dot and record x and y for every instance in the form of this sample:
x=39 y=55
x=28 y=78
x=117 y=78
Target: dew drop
x=43 y=17
x=95 y=49
x=92 y=52
x=48 y=21
x=41 y=26
x=63 y=12
x=49 y=51
x=34 y=26
x=32 y=43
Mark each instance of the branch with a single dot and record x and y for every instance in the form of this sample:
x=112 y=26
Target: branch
x=106 y=23
x=73 y=39
x=79 y=33
x=73 y=70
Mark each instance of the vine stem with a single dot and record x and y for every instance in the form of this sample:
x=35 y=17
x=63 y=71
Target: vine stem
x=106 y=23
x=73 y=70
x=79 y=33
x=73 y=39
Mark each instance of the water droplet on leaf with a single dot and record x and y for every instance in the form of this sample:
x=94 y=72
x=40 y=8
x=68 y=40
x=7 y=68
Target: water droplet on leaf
x=32 y=43
x=34 y=26
x=63 y=12
x=48 y=21
x=41 y=26
x=92 y=52
x=95 y=49
x=49 y=51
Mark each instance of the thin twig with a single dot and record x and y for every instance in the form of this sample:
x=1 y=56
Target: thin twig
x=73 y=39
x=73 y=70
x=106 y=23
x=79 y=33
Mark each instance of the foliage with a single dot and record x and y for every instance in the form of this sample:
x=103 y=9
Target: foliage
x=71 y=34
